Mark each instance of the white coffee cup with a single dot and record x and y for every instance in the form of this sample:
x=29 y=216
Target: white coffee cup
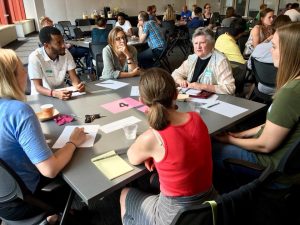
x=47 y=110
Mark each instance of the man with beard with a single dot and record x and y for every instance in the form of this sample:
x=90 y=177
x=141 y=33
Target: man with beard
x=48 y=65
x=125 y=24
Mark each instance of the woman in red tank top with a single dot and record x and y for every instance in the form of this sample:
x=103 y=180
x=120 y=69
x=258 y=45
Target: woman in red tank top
x=178 y=145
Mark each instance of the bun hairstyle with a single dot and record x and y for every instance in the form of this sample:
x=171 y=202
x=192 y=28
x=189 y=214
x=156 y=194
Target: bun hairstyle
x=157 y=91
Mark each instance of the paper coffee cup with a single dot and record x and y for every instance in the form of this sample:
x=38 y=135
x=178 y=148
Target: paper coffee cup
x=47 y=110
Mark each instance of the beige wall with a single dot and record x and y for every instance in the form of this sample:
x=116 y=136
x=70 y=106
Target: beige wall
x=72 y=9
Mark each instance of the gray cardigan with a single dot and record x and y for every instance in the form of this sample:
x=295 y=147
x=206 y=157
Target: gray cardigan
x=111 y=63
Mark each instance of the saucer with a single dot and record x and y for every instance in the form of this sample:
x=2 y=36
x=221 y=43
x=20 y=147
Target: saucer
x=42 y=118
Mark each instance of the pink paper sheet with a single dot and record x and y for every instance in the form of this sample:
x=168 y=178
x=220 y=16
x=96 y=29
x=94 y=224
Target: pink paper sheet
x=143 y=108
x=121 y=105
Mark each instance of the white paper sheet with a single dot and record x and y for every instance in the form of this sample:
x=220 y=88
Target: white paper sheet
x=65 y=135
x=112 y=84
x=225 y=108
x=119 y=124
x=135 y=91
x=72 y=88
x=189 y=91
x=212 y=99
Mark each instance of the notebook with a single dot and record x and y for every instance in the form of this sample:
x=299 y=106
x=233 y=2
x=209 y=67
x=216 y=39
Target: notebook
x=111 y=165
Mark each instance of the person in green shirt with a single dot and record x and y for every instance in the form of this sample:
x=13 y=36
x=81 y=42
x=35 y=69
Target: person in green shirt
x=266 y=144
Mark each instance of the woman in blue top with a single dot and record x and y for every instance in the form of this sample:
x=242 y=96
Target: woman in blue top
x=22 y=143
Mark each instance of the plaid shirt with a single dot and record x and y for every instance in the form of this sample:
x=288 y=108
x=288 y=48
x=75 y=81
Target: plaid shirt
x=154 y=37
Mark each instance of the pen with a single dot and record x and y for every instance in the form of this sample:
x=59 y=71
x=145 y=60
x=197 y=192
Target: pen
x=184 y=92
x=213 y=105
x=109 y=156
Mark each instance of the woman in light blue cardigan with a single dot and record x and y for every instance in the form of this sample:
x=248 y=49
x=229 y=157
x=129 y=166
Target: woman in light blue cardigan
x=119 y=59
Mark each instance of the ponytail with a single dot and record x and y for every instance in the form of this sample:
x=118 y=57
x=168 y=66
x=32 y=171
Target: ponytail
x=158 y=116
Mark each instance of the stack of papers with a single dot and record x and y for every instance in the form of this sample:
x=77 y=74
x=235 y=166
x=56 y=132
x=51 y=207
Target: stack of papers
x=112 y=84
x=111 y=165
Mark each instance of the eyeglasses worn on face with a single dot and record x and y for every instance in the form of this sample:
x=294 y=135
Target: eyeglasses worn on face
x=119 y=38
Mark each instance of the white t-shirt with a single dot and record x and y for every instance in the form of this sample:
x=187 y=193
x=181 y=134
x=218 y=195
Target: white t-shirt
x=126 y=26
x=53 y=73
x=293 y=14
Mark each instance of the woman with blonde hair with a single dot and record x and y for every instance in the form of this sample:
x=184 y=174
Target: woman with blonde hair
x=178 y=145
x=23 y=146
x=266 y=144
x=169 y=14
x=119 y=59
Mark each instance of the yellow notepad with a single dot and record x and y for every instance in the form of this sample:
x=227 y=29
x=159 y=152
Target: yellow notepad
x=111 y=165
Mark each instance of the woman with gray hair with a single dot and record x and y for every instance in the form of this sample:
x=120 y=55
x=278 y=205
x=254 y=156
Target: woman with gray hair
x=207 y=69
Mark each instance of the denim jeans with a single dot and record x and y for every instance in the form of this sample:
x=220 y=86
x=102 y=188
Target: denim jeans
x=224 y=179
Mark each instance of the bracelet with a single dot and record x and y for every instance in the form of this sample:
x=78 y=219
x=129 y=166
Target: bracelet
x=70 y=142
x=51 y=93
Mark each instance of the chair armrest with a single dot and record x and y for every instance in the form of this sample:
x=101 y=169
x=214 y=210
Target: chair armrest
x=54 y=185
x=242 y=163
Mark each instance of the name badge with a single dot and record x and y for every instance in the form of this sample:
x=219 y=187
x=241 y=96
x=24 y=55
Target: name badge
x=49 y=73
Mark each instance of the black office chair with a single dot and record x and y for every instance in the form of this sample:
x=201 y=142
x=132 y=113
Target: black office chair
x=170 y=29
x=279 y=198
x=12 y=187
x=83 y=22
x=96 y=53
x=264 y=73
x=65 y=25
x=75 y=32
x=242 y=42
x=233 y=208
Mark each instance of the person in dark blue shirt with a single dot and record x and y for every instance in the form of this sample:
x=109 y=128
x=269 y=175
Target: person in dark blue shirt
x=186 y=14
x=197 y=21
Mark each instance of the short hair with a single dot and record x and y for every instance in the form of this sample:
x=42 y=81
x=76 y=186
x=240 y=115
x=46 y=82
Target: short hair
x=157 y=90
x=295 y=5
x=288 y=5
x=121 y=14
x=238 y=25
x=46 y=32
x=197 y=10
x=144 y=15
x=9 y=86
x=229 y=12
x=101 y=22
x=113 y=34
x=149 y=8
x=280 y=21
x=208 y=33
x=44 y=19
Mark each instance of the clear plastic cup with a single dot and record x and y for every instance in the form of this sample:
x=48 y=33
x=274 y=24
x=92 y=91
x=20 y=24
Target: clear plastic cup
x=130 y=131
x=196 y=107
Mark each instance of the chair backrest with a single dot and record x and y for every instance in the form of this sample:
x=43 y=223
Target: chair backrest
x=96 y=52
x=290 y=163
x=264 y=73
x=75 y=32
x=83 y=22
x=60 y=28
x=170 y=28
x=242 y=42
x=65 y=24
x=10 y=189
x=194 y=215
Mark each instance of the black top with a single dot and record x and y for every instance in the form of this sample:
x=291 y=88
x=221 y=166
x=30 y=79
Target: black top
x=199 y=68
